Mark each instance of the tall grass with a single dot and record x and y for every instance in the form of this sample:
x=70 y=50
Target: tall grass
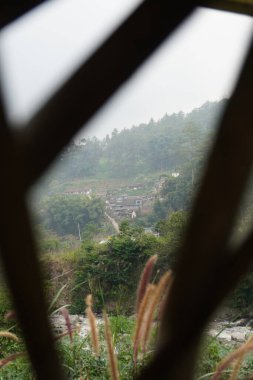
x=119 y=347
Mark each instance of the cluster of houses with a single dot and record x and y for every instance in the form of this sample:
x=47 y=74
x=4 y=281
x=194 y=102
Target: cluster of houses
x=124 y=206
x=128 y=206
x=87 y=192
x=117 y=206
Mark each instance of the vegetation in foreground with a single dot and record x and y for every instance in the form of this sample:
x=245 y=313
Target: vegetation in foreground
x=121 y=346
x=114 y=351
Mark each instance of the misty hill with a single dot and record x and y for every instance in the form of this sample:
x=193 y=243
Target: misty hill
x=161 y=145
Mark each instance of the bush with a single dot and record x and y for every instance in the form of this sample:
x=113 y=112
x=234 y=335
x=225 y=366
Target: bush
x=212 y=352
x=242 y=297
x=111 y=271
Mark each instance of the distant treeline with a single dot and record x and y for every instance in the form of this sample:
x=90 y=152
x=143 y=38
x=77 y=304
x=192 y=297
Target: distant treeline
x=161 y=145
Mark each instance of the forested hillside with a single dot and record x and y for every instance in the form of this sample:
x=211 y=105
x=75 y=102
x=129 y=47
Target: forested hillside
x=166 y=144
x=137 y=161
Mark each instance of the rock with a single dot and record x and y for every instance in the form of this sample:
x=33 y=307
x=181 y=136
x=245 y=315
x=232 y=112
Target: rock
x=249 y=322
x=238 y=336
x=240 y=322
x=212 y=333
x=224 y=336
x=59 y=323
x=234 y=332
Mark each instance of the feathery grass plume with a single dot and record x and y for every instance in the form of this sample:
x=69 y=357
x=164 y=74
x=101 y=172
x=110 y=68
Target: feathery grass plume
x=88 y=300
x=113 y=364
x=235 y=355
x=144 y=280
x=238 y=362
x=65 y=314
x=11 y=358
x=160 y=289
x=78 y=328
x=93 y=325
x=147 y=299
x=9 y=335
x=164 y=297
x=236 y=368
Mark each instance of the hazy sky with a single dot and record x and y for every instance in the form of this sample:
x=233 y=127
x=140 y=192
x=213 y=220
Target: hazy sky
x=200 y=62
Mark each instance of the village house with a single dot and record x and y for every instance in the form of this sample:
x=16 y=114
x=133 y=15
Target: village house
x=124 y=206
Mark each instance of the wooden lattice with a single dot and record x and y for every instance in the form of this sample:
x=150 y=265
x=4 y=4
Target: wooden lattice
x=208 y=269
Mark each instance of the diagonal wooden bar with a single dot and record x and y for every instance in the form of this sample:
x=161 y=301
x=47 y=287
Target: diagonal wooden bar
x=204 y=252
x=18 y=256
x=240 y=7
x=10 y=10
x=88 y=89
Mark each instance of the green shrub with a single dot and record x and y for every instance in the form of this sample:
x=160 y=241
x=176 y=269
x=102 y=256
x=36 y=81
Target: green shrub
x=242 y=297
x=212 y=352
x=114 y=267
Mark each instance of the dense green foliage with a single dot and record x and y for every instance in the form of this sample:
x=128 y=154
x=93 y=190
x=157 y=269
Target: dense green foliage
x=166 y=144
x=171 y=233
x=110 y=271
x=81 y=361
x=212 y=352
x=67 y=214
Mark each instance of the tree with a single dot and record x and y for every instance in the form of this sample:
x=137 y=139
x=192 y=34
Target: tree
x=171 y=232
x=177 y=192
x=69 y=214
x=110 y=271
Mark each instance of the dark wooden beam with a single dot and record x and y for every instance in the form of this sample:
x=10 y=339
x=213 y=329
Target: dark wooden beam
x=204 y=264
x=20 y=263
x=240 y=7
x=10 y=10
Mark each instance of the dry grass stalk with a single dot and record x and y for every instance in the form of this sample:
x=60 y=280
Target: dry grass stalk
x=147 y=299
x=113 y=364
x=160 y=289
x=93 y=325
x=144 y=280
x=78 y=328
x=9 y=335
x=232 y=357
x=238 y=363
x=93 y=329
x=88 y=300
x=236 y=368
x=164 y=298
x=11 y=358
x=65 y=314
